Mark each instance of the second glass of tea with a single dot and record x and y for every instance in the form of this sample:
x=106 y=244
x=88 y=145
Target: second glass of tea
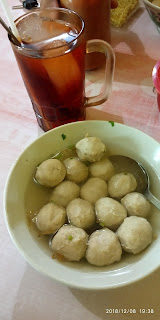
x=51 y=60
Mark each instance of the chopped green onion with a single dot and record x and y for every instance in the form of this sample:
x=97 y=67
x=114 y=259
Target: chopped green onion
x=112 y=123
x=63 y=136
x=70 y=237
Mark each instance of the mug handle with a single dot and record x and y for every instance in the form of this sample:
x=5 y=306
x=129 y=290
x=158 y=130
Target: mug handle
x=106 y=49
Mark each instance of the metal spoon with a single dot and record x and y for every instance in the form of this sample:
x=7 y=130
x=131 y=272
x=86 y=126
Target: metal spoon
x=126 y=164
x=12 y=36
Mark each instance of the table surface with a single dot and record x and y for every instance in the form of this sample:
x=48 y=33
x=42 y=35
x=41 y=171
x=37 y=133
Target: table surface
x=24 y=293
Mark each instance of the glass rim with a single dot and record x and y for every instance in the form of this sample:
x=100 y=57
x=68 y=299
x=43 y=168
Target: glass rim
x=29 y=49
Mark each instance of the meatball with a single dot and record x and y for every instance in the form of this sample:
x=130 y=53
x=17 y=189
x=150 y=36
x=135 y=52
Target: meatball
x=135 y=234
x=136 y=204
x=121 y=184
x=94 y=189
x=90 y=149
x=103 y=169
x=70 y=242
x=110 y=213
x=103 y=248
x=50 y=218
x=50 y=172
x=65 y=192
x=77 y=171
x=81 y=213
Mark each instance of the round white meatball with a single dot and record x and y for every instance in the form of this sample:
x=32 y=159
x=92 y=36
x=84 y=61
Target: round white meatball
x=50 y=172
x=121 y=184
x=50 y=218
x=77 y=171
x=110 y=213
x=135 y=234
x=81 y=213
x=90 y=149
x=103 y=169
x=94 y=189
x=136 y=204
x=70 y=242
x=103 y=248
x=65 y=192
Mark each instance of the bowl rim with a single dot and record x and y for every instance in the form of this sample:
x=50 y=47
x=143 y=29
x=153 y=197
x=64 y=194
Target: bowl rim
x=33 y=263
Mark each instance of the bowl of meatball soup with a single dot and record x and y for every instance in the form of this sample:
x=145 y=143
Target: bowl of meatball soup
x=77 y=220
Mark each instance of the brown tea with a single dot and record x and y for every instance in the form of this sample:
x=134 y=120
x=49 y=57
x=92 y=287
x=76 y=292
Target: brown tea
x=53 y=69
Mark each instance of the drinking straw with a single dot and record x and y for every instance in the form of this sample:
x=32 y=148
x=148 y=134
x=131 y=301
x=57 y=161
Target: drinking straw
x=10 y=19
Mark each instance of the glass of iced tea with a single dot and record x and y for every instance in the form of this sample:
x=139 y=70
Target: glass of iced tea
x=51 y=60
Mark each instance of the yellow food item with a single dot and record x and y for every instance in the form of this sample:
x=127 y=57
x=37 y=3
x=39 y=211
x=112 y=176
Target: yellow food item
x=123 y=12
x=156 y=2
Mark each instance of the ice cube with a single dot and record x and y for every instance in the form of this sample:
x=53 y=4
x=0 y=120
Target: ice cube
x=30 y=28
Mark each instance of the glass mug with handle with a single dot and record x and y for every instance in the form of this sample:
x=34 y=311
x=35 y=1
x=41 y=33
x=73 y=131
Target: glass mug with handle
x=52 y=64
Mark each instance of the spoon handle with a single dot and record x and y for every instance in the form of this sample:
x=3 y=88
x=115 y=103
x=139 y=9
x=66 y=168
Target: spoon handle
x=153 y=199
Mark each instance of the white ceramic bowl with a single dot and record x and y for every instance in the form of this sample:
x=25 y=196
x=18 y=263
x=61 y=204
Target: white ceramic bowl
x=154 y=12
x=119 y=139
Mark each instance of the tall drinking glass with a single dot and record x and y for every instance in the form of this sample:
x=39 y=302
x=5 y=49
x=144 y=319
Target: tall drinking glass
x=52 y=64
